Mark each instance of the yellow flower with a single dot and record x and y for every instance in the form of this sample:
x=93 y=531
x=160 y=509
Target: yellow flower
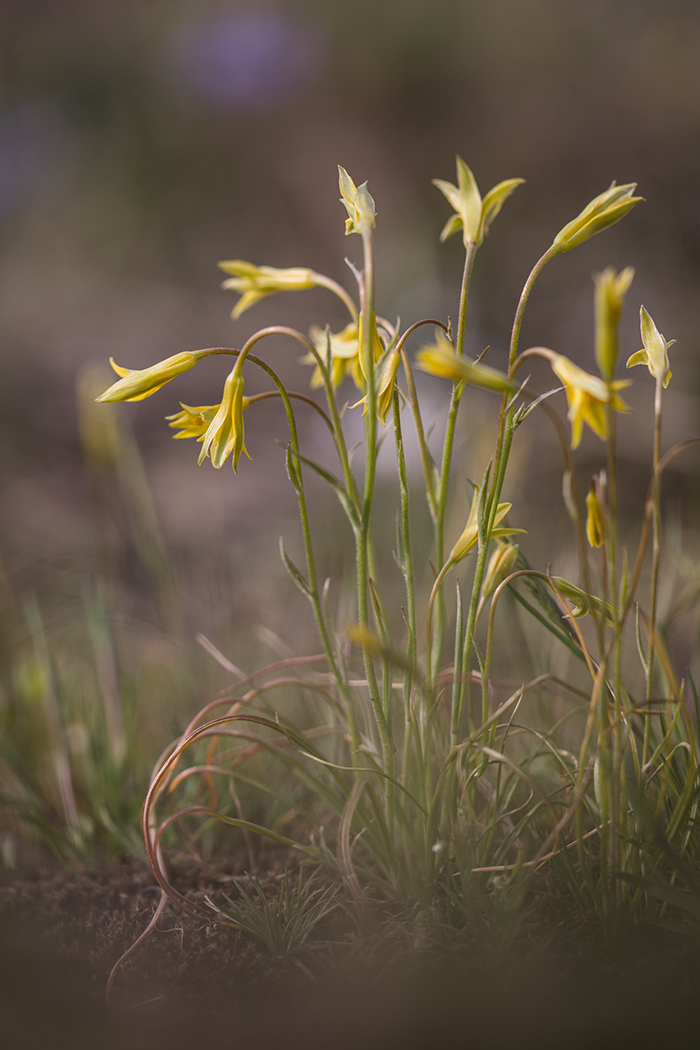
x=358 y=204
x=254 y=283
x=594 y=518
x=610 y=291
x=345 y=355
x=501 y=565
x=588 y=398
x=440 y=359
x=136 y=385
x=378 y=347
x=385 y=391
x=470 y=536
x=385 y=394
x=224 y=435
x=472 y=215
x=654 y=352
x=194 y=422
x=603 y=211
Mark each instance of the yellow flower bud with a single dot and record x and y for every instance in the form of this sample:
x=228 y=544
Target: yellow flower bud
x=500 y=565
x=136 y=385
x=358 y=204
x=610 y=290
x=385 y=392
x=440 y=359
x=603 y=211
x=378 y=347
x=594 y=518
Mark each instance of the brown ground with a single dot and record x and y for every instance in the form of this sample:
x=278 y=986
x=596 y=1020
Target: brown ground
x=199 y=983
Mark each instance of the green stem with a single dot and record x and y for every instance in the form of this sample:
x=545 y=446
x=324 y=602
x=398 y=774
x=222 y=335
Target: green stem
x=617 y=803
x=308 y=545
x=471 y=247
x=337 y=289
x=339 y=437
x=505 y=438
x=426 y=458
x=441 y=507
x=363 y=534
x=655 y=559
x=407 y=558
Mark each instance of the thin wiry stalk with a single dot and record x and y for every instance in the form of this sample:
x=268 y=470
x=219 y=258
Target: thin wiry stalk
x=655 y=558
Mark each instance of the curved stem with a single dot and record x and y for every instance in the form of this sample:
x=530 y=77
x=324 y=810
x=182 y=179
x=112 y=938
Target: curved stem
x=308 y=546
x=337 y=289
x=415 y=408
x=339 y=437
x=439 y=579
x=426 y=458
x=299 y=397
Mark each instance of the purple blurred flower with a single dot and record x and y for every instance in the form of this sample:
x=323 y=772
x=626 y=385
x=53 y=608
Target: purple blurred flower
x=248 y=60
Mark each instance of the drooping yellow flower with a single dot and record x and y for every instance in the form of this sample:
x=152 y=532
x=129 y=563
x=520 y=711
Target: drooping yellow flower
x=136 y=385
x=344 y=351
x=440 y=359
x=254 y=283
x=224 y=436
x=654 y=351
x=472 y=215
x=470 y=536
x=588 y=398
x=194 y=422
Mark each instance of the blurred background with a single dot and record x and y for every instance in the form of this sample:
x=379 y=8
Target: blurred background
x=140 y=142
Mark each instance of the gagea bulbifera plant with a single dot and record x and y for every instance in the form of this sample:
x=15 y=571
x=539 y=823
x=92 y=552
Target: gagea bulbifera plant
x=425 y=773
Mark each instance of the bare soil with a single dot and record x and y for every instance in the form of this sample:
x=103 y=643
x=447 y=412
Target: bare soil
x=199 y=983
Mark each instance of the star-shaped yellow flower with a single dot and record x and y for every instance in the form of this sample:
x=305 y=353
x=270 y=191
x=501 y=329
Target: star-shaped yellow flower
x=470 y=536
x=588 y=398
x=224 y=434
x=472 y=214
x=654 y=351
x=193 y=422
x=344 y=352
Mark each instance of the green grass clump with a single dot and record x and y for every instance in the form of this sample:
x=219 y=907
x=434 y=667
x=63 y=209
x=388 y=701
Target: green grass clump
x=409 y=753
